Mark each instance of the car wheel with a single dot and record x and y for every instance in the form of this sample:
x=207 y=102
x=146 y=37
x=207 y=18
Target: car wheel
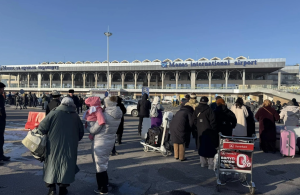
x=134 y=113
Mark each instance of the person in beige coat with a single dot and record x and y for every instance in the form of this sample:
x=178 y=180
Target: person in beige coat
x=241 y=114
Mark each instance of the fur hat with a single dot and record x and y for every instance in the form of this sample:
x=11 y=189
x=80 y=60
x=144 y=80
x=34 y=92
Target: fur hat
x=193 y=96
x=71 y=91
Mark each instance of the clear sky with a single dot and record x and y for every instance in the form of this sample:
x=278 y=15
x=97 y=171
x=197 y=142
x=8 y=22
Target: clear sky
x=33 y=31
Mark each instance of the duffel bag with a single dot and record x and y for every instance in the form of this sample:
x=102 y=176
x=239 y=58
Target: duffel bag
x=154 y=136
x=35 y=142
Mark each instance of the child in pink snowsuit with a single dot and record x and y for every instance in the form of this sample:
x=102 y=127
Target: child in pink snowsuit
x=93 y=115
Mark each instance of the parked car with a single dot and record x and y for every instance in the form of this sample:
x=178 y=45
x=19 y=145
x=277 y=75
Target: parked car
x=166 y=101
x=131 y=107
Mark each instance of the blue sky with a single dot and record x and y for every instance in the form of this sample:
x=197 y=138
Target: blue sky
x=33 y=31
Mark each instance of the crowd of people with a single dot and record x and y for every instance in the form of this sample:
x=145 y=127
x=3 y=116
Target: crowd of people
x=104 y=120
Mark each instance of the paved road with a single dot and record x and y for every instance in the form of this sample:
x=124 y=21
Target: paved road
x=135 y=172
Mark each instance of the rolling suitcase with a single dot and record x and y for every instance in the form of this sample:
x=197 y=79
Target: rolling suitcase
x=287 y=143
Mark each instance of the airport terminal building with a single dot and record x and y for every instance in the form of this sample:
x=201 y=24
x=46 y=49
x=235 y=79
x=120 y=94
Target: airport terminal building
x=163 y=77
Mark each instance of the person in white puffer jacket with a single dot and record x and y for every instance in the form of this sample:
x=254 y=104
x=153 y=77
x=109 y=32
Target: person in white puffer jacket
x=290 y=114
x=104 y=140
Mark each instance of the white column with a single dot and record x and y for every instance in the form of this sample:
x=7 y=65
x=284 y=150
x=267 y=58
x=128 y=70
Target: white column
x=176 y=79
x=123 y=79
x=39 y=80
x=83 y=79
x=162 y=79
x=96 y=79
x=209 y=79
x=193 y=79
x=279 y=79
x=72 y=77
x=135 y=79
x=244 y=78
x=18 y=79
x=109 y=80
x=61 y=80
x=226 y=79
x=28 y=80
x=50 y=78
x=9 y=80
x=149 y=78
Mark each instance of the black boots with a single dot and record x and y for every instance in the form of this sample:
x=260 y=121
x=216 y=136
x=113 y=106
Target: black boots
x=63 y=191
x=119 y=138
x=102 y=181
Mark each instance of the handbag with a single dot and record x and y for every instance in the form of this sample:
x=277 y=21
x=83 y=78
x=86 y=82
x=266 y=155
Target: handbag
x=35 y=142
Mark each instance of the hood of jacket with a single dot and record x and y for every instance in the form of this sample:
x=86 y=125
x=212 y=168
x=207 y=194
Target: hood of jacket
x=93 y=101
x=119 y=100
x=145 y=97
x=291 y=110
x=221 y=108
x=114 y=112
x=187 y=108
x=202 y=107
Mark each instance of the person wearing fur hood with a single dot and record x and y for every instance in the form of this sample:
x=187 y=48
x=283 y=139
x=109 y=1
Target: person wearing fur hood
x=193 y=101
x=290 y=114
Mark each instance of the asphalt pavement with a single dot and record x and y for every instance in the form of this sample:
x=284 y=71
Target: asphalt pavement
x=136 y=172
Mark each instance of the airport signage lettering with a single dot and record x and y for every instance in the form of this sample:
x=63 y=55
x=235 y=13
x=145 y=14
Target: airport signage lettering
x=30 y=68
x=213 y=63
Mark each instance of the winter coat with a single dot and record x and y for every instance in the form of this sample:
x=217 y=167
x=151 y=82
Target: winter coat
x=144 y=106
x=267 y=129
x=95 y=113
x=2 y=110
x=213 y=105
x=250 y=123
x=75 y=99
x=225 y=119
x=53 y=104
x=104 y=139
x=157 y=121
x=204 y=119
x=181 y=124
x=64 y=129
x=290 y=115
x=241 y=114
x=278 y=107
x=184 y=102
x=192 y=103
x=123 y=109
x=252 y=107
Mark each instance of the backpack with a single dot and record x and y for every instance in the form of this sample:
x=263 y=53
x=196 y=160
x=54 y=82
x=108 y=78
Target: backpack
x=153 y=111
x=154 y=136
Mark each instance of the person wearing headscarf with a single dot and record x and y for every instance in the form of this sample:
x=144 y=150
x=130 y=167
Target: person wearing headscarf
x=104 y=141
x=156 y=121
x=290 y=114
x=64 y=130
x=267 y=116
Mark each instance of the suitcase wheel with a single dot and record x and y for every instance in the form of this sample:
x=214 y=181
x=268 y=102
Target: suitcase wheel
x=293 y=156
x=146 y=148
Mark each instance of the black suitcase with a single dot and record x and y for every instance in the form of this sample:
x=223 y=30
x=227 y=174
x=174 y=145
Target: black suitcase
x=154 y=136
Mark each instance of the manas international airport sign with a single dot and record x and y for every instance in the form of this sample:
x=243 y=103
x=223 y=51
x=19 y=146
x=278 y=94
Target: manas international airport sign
x=211 y=63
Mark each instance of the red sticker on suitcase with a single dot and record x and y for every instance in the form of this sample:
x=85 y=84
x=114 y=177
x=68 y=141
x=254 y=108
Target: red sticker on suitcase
x=238 y=146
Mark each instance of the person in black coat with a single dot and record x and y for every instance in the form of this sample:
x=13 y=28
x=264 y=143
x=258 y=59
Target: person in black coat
x=187 y=99
x=2 y=122
x=295 y=102
x=225 y=118
x=143 y=108
x=55 y=102
x=34 y=100
x=29 y=99
x=121 y=126
x=207 y=138
x=180 y=127
x=250 y=121
x=75 y=99
x=25 y=101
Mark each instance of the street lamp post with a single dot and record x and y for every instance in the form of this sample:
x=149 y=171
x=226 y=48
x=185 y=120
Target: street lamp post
x=108 y=34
